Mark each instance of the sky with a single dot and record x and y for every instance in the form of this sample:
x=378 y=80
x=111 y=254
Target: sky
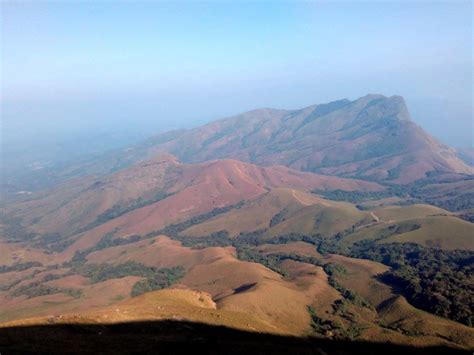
x=74 y=69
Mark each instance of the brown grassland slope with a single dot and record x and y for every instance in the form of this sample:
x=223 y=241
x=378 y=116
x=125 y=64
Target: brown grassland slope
x=178 y=304
x=283 y=211
x=239 y=245
x=393 y=311
x=153 y=194
x=372 y=136
x=436 y=231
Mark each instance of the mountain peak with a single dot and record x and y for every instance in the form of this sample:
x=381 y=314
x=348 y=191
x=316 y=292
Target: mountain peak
x=371 y=97
x=370 y=137
x=399 y=102
x=378 y=106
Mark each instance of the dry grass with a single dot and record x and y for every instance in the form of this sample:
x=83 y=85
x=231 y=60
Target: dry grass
x=326 y=219
x=399 y=213
x=361 y=278
x=304 y=213
x=165 y=304
x=11 y=253
x=446 y=232
x=94 y=296
x=395 y=319
x=439 y=232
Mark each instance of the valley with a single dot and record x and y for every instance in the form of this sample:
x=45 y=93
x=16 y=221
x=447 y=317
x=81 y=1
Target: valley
x=342 y=221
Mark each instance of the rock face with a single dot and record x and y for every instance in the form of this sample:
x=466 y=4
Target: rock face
x=372 y=138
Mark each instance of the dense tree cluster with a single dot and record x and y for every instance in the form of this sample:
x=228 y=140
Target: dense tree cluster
x=456 y=203
x=102 y=272
x=19 y=266
x=36 y=289
x=13 y=230
x=173 y=230
x=119 y=210
x=353 y=196
x=332 y=270
x=334 y=328
x=162 y=278
x=468 y=215
x=278 y=218
x=273 y=260
x=153 y=278
x=270 y=261
x=54 y=242
x=107 y=241
x=414 y=192
x=436 y=280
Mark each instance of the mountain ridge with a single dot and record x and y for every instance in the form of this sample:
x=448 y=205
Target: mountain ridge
x=370 y=138
x=157 y=192
x=249 y=215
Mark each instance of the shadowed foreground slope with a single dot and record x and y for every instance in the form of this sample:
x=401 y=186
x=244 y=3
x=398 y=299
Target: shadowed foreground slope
x=171 y=337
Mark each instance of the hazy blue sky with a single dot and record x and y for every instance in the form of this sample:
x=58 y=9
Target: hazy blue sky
x=69 y=67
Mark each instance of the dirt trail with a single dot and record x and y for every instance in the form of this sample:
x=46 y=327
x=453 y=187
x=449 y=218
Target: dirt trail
x=375 y=217
x=300 y=200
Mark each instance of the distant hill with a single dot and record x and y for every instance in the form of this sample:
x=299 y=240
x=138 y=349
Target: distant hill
x=466 y=155
x=242 y=242
x=284 y=211
x=154 y=193
x=372 y=138
x=343 y=221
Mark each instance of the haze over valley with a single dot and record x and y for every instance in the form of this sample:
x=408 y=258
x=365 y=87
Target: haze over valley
x=250 y=214
x=275 y=222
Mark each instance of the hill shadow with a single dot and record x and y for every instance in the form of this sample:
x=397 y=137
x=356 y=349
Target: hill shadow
x=179 y=337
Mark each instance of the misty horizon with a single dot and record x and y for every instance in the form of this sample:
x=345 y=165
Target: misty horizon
x=237 y=177
x=67 y=74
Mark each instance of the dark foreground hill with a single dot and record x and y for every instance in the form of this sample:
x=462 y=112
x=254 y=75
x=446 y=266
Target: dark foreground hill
x=182 y=337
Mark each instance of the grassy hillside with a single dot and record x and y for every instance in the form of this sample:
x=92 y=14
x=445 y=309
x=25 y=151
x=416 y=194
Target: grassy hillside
x=341 y=299
x=284 y=211
x=370 y=138
x=147 y=197
x=445 y=232
x=241 y=246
